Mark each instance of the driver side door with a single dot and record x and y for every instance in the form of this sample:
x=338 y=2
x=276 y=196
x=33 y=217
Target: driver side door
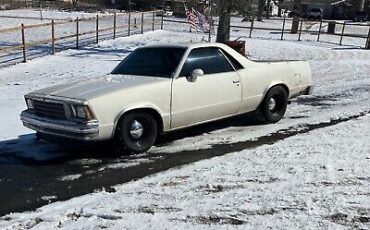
x=214 y=95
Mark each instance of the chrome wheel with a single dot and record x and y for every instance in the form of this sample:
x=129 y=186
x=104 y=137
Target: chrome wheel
x=272 y=104
x=136 y=129
x=137 y=132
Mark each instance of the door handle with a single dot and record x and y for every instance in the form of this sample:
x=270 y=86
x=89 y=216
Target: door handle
x=236 y=82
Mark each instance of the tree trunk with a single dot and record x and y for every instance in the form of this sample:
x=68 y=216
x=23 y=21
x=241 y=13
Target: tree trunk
x=261 y=6
x=223 y=31
x=268 y=9
x=295 y=24
x=297 y=9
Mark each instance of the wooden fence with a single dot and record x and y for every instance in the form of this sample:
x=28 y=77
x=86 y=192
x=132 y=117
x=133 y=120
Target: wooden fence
x=284 y=30
x=77 y=34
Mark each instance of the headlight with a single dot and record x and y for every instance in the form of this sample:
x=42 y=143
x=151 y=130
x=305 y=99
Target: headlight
x=81 y=111
x=29 y=103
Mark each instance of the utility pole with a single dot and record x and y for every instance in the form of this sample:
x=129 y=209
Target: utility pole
x=210 y=20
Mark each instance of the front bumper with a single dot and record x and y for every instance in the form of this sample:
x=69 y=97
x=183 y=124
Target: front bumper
x=88 y=131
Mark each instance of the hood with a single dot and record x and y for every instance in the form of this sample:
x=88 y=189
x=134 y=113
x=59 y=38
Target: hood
x=88 y=89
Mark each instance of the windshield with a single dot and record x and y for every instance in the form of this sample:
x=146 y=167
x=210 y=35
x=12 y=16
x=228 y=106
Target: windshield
x=154 y=61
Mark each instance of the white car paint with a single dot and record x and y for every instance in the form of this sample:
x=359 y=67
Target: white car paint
x=178 y=102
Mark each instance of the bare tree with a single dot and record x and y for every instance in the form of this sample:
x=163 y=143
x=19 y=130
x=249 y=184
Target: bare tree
x=223 y=31
x=297 y=9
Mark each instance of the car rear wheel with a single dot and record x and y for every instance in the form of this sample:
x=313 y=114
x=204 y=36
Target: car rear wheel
x=137 y=132
x=273 y=106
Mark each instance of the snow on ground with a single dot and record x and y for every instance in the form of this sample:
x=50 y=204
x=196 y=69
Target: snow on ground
x=318 y=180
x=13 y=18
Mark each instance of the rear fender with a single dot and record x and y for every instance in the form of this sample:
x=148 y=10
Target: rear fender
x=276 y=83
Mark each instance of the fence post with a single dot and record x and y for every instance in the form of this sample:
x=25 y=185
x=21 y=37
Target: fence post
x=162 y=19
x=153 y=23
x=252 y=24
x=282 y=30
x=129 y=24
x=341 y=36
x=52 y=38
x=114 y=25
x=142 y=22
x=367 y=46
x=77 y=34
x=318 y=35
x=300 y=30
x=97 y=28
x=23 y=43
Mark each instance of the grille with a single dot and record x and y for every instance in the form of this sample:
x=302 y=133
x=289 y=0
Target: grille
x=49 y=109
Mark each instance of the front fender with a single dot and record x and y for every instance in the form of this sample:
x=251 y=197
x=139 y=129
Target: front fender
x=142 y=106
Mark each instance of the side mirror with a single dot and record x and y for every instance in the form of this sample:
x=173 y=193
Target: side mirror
x=195 y=74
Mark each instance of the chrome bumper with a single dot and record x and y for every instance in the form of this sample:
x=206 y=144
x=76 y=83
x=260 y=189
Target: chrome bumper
x=63 y=128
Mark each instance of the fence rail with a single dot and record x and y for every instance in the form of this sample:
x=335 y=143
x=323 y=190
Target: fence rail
x=319 y=32
x=109 y=28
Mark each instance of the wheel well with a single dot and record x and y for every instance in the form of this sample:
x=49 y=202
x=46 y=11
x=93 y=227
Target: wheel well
x=157 y=117
x=282 y=85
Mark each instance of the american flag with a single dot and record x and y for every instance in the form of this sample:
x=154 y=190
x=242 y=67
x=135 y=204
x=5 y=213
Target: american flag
x=191 y=17
x=202 y=22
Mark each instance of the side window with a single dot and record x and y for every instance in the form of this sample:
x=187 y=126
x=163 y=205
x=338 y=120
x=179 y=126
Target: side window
x=210 y=60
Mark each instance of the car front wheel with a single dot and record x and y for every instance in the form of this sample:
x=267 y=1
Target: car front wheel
x=273 y=106
x=137 y=132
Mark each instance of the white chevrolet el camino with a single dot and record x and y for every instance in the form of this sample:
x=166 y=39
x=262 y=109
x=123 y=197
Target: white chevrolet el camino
x=157 y=89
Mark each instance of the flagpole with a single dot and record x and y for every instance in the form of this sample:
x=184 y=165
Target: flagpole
x=210 y=21
x=196 y=25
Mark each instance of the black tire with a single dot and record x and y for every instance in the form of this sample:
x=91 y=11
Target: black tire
x=273 y=114
x=129 y=140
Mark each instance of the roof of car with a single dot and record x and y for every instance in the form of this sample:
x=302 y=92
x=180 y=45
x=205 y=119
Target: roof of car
x=186 y=45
